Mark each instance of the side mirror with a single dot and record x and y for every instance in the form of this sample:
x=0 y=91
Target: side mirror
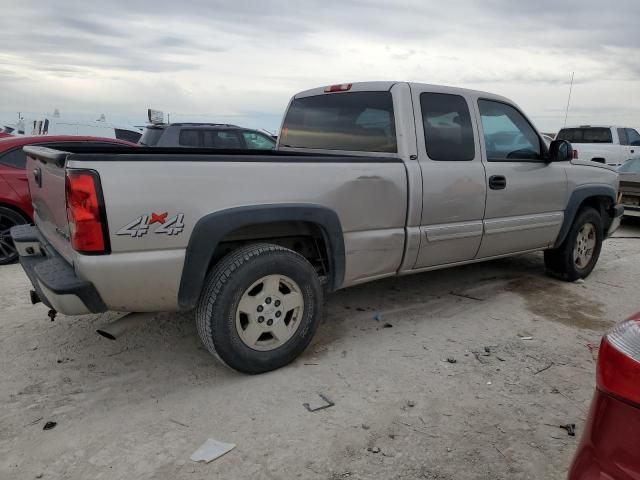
x=560 y=151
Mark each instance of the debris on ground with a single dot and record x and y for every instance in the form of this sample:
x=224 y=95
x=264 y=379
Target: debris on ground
x=570 y=428
x=50 y=425
x=593 y=350
x=487 y=350
x=328 y=403
x=387 y=325
x=373 y=449
x=365 y=426
x=210 y=450
x=451 y=360
x=411 y=403
x=377 y=317
x=544 y=368
x=580 y=280
x=526 y=338
x=360 y=309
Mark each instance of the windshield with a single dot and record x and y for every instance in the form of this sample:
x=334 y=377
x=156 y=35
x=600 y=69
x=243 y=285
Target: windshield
x=356 y=121
x=630 y=166
x=151 y=136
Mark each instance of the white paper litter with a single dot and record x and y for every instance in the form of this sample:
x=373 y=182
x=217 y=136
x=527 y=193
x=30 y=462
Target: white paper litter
x=210 y=450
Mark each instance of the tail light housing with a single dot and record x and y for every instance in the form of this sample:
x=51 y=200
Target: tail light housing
x=619 y=361
x=85 y=212
x=575 y=153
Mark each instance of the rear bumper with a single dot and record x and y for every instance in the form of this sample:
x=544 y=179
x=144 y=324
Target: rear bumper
x=616 y=213
x=53 y=278
x=609 y=445
x=631 y=211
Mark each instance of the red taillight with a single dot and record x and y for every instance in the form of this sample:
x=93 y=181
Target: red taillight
x=619 y=361
x=575 y=153
x=85 y=212
x=343 y=87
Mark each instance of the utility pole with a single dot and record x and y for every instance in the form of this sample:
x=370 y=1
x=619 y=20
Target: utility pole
x=566 y=113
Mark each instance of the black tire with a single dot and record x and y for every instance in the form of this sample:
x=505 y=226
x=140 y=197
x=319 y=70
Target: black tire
x=224 y=287
x=8 y=218
x=559 y=262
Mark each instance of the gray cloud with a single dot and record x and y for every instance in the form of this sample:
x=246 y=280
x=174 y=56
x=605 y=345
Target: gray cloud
x=211 y=41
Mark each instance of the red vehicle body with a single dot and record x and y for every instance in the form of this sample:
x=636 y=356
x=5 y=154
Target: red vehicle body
x=610 y=444
x=15 y=201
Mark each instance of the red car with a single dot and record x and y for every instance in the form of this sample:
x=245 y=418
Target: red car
x=610 y=444
x=15 y=202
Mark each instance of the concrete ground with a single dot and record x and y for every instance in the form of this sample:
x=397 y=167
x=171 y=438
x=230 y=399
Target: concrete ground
x=521 y=364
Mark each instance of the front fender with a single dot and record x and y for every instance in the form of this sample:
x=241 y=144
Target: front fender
x=579 y=195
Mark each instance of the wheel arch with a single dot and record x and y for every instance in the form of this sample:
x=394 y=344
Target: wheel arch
x=600 y=197
x=212 y=229
x=17 y=209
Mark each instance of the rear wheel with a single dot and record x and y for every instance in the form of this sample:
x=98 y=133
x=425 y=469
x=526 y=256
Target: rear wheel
x=260 y=307
x=579 y=253
x=8 y=218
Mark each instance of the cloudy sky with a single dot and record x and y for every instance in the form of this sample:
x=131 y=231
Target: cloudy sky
x=240 y=61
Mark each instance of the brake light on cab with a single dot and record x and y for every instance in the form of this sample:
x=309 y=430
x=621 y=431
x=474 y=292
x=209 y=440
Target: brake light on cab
x=342 y=87
x=619 y=361
x=85 y=212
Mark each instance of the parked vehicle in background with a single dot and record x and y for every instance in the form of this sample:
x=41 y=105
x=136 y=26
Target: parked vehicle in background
x=55 y=125
x=609 y=445
x=629 y=173
x=15 y=202
x=604 y=144
x=206 y=135
x=370 y=180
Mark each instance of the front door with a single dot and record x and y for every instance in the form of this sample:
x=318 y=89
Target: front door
x=453 y=178
x=526 y=196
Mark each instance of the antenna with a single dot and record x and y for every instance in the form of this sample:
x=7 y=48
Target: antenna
x=566 y=113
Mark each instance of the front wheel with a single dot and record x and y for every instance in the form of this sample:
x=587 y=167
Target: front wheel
x=577 y=256
x=260 y=307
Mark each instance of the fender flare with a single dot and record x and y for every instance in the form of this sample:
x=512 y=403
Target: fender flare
x=211 y=229
x=579 y=195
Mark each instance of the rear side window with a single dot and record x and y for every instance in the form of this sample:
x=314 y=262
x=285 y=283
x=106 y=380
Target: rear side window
x=221 y=139
x=508 y=136
x=15 y=158
x=356 y=121
x=585 y=135
x=189 y=138
x=448 y=133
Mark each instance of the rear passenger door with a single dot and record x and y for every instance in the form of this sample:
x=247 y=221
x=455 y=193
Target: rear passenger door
x=453 y=178
x=526 y=196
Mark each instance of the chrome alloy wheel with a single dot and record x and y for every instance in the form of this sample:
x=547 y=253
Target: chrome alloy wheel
x=269 y=312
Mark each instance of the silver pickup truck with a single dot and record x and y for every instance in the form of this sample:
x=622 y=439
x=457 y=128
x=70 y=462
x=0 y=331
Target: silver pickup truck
x=369 y=180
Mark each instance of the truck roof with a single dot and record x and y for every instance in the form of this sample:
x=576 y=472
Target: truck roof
x=193 y=124
x=386 y=85
x=593 y=126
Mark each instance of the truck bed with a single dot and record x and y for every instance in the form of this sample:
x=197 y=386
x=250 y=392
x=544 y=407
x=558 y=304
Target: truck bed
x=368 y=193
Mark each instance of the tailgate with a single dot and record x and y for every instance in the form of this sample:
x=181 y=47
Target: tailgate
x=46 y=174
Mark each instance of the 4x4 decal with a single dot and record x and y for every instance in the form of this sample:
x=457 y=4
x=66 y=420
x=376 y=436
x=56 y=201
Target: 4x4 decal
x=141 y=225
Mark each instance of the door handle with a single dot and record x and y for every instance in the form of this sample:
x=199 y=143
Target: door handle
x=497 y=182
x=37 y=176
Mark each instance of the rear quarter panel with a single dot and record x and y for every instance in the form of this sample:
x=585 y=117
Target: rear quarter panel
x=369 y=198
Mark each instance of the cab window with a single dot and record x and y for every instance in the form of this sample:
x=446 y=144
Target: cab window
x=508 y=136
x=257 y=141
x=448 y=133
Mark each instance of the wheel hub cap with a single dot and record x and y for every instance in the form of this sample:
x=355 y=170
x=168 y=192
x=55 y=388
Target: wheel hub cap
x=585 y=245
x=269 y=312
